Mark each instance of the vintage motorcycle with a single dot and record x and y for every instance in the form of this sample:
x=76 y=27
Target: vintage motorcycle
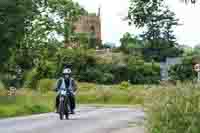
x=63 y=108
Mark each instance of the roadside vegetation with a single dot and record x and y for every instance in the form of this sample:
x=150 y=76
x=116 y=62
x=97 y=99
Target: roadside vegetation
x=174 y=109
x=26 y=103
x=29 y=101
x=32 y=58
x=169 y=107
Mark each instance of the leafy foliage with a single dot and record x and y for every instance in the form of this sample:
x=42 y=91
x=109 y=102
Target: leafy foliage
x=14 y=21
x=196 y=50
x=29 y=33
x=31 y=79
x=158 y=22
x=190 y=1
x=131 y=45
x=184 y=71
x=45 y=85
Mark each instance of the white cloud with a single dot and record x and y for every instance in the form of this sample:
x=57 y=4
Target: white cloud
x=113 y=27
x=189 y=32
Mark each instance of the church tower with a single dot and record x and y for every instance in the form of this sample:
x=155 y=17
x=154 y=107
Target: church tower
x=90 y=23
x=99 y=11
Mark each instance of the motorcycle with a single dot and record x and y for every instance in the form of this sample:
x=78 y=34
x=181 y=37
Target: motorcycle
x=63 y=108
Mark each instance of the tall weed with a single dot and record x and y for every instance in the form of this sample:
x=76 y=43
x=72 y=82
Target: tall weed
x=175 y=109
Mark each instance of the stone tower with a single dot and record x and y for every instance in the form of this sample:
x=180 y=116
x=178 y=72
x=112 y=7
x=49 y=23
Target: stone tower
x=90 y=23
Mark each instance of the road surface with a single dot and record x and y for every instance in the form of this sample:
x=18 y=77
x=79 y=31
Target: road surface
x=86 y=120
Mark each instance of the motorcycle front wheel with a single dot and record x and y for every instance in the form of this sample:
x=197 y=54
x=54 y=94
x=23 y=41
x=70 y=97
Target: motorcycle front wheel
x=61 y=109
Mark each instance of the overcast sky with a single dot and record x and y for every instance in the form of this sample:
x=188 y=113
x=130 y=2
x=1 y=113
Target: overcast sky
x=113 y=27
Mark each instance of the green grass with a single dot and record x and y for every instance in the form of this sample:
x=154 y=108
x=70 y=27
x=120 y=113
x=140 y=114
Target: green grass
x=25 y=105
x=170 y=109
x=175 y=109
x=32 y=102
x=116 y=94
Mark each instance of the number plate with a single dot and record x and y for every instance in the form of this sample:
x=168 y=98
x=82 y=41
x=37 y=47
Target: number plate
x=63 y=92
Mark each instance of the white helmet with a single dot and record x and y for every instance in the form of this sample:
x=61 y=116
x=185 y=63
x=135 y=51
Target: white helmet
x=67 y=71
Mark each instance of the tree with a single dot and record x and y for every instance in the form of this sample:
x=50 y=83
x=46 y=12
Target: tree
x=158 y=22
x=130 y=44
x=189 y=1
x=196 y=50
x=14 y=21
x=49 y=20
x=54 y=17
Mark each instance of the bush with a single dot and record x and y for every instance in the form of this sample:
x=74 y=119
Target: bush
x=31 y=79
x=90 y=75
x=175 y=110
x=143 y=73
x=33 y=76
x=124 y=85
x=47 y=69
x=107 y=78
x=89 y=67
x=45 y=85
x=184 y=71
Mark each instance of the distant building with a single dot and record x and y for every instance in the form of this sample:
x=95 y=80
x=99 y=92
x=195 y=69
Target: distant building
x=90 y=25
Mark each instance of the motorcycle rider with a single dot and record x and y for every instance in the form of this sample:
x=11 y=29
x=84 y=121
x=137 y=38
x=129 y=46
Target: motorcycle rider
x=67 y=82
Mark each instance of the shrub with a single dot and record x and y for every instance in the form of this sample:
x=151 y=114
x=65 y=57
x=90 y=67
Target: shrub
x=45 y=85
x=141 y=72
x=91 y=67
x=183 y=71
x=46 y=69
x=120 y=72
x=124 y=85
x=31 y=79
x=107 y=78
x=90 y=75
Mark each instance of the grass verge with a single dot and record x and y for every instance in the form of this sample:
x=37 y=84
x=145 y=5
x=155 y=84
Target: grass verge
x=174 y=110
x=22 y=105
x=29 y=102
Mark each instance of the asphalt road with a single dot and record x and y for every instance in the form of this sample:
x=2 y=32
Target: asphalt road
x=86 y=120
